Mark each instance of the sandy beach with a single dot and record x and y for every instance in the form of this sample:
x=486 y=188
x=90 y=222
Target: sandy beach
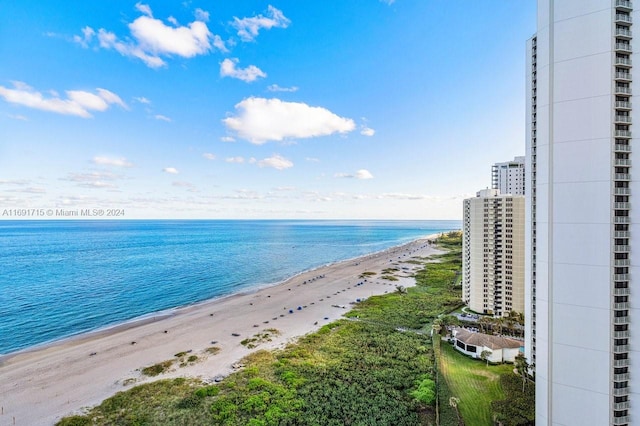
x=40 y=386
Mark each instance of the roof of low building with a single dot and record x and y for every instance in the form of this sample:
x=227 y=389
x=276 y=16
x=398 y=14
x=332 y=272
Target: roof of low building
x=486 y=340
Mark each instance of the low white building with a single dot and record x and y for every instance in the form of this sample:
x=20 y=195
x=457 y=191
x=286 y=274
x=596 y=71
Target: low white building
x=502 y=349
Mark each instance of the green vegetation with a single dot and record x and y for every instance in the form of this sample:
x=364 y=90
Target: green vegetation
x=156 y=369
x=389 y=278
x=258 y=338
x=212 y=350
x=519 y=408
x=372 y=369
x=367 y=274
x=474 y=383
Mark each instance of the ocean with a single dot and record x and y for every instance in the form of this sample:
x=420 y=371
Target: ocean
x=65 y=277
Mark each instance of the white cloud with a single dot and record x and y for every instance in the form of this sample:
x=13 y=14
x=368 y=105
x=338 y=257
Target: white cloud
x=312 y=160
x=209 y=156
x=276 y=161
x=249 y=74
x=94 y=179
x=360 y=174
x=202 y=15
x=363 y=174
x=18 y=117
x=234 y=160
x=248 y=28
x=142 y=100
x=187 y=185
x=228 y=139
x=261 y=120
x=276 y=88
x=78 y=102
x=144 y=8
x=163 y=118
x=367 y=131
x=85 y=39
x=170 y=170
x=108 y=161
x=218 y=43
x=152 y=39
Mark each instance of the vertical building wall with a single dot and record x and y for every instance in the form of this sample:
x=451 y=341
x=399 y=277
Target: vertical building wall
x=509 y=177
x=579 y=211
x=493 y=253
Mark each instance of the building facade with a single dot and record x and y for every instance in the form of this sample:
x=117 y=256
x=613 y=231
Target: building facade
x=581 y=226
x=509 y=177
x=493 y=253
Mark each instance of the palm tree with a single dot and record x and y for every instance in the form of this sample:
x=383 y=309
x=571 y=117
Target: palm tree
x=453 y=402
x=522 y=367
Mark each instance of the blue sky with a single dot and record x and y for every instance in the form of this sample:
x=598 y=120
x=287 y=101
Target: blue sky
x=360 y=109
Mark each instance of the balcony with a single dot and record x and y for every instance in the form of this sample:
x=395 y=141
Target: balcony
x=618 y=349
x=621 y=306
x=621 y=405
x=622 y=176
x=621 y=334
x=621 y=392
x=622 y=262
x=622 y=162
x=621 y=291
x=621 y=17
x=621 y=220
x=620 y=420
x=624 y=4
x=619 y=321
x=626 y=76
x=622 y=206
x=623 y=47
x=622 y=191
x=623 y=119
x=619 y=363
x=621 y=90
x=623 y=105
x=623 y=62
x=623 y=134
x=621 y=234
x=622 y=148
x=623 y=33
x=622 y=248
x=621 y=377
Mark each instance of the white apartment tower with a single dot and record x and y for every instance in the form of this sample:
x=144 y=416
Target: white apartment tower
x=493 y=253
x=509 y=177
x=582 y=231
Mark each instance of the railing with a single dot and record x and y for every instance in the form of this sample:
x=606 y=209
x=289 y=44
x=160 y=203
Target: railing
x=619 y=363
x=621 y=306
x=622 y=148
x=622 y=220
x=620 y=348
x=623 y=119
x=623 y=18
x=621 y=234
x=623 y=104
x=623 y=377
x=623 y=90
x=621 y=291
x=623 y=75
x=623 y=61
x=620 y=420
x=623 y=32
x=620 y=320
x=624 y=3
x=622 y=206
x=625 y=47
x=621 y=334
x=622 y=176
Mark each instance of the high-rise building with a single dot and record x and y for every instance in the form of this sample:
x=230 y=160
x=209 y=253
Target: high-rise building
x=493 y=253
x=508 y=177
x=581 y=304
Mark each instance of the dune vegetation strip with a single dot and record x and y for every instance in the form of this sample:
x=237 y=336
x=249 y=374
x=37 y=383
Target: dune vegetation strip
x=376 y=367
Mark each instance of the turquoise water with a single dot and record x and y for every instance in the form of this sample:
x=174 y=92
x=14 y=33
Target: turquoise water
x=60 y=278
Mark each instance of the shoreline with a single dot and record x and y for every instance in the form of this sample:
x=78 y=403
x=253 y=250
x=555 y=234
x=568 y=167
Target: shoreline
x=42 y=384
x=170 y=312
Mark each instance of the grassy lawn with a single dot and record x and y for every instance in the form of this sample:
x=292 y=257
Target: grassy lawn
x=474 y=383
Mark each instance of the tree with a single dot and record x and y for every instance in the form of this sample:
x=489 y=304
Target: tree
x=522 y=367
x=485 y=355
x=453 y=402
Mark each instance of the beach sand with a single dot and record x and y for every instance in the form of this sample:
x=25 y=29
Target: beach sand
x=40 y=386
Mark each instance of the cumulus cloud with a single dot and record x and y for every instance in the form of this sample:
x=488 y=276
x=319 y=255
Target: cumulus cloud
x=367 y=131
x=276 y=88
x=170 y=170
x=77 y=102
x=276 y=161
x=151 y=39
x=249 y=74
x=248 y=28
x=108 y=161
x=360 y=174
x=209 y=156
x=260 y=120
